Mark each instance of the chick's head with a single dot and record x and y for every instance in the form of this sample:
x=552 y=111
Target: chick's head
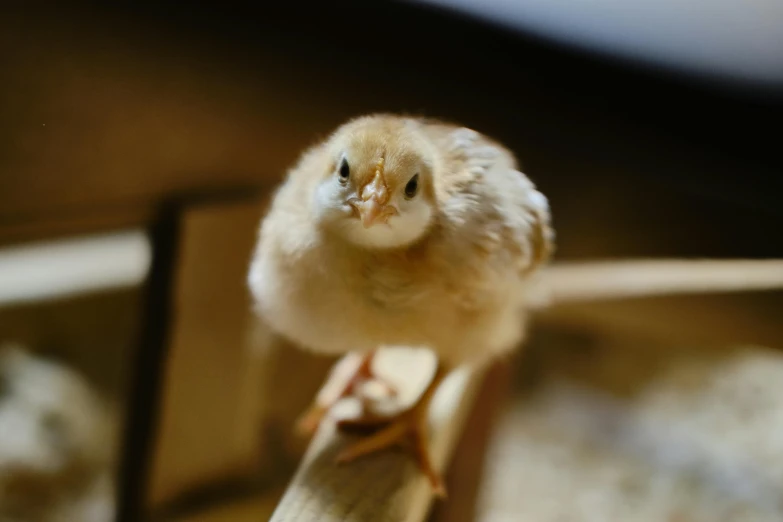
x=377 y=189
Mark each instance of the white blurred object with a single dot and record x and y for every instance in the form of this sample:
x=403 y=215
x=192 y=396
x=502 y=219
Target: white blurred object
x=53 y=269
x=57 y=443
x=741 y=41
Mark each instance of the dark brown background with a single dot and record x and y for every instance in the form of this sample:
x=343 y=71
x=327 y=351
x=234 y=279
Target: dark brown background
x=105 y=110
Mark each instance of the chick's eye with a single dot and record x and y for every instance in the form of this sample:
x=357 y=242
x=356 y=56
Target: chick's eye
x=412 y=187
x=344 y=171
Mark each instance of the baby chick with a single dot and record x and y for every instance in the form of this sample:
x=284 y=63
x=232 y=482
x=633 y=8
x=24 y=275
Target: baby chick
x=401 y=231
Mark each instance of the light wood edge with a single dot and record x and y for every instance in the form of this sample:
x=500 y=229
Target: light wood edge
x=580 y=282
x=386 y=487
x=66 y=267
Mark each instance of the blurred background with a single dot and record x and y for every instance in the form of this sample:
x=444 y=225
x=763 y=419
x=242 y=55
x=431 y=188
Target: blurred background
x=140 y=143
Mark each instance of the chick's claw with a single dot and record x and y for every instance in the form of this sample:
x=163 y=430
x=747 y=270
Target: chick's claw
x=345 y=379
x=366 y=421
x=410 y=426
x=308 y=423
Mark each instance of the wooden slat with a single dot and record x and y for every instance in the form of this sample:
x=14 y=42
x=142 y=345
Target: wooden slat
x=385 y=487
x=208 y=425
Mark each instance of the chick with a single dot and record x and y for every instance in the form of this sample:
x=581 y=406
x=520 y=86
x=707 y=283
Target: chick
x=401 y=231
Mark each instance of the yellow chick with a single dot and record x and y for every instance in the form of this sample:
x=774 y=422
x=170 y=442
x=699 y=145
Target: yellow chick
x=401 y=231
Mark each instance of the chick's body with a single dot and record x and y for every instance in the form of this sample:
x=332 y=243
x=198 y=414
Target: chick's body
x=456 y=284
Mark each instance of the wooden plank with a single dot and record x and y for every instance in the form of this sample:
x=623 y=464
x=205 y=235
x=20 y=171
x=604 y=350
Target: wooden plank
x=385 y=487
x=208 y=425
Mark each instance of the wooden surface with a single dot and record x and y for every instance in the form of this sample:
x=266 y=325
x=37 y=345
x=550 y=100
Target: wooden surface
x=386 y=487
x=209 y=424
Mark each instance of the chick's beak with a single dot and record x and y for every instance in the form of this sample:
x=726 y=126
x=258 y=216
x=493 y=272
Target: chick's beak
x=369 y=212
x=374 y=206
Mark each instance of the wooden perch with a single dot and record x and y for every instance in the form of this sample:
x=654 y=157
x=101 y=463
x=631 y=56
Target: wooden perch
x=386 y=487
